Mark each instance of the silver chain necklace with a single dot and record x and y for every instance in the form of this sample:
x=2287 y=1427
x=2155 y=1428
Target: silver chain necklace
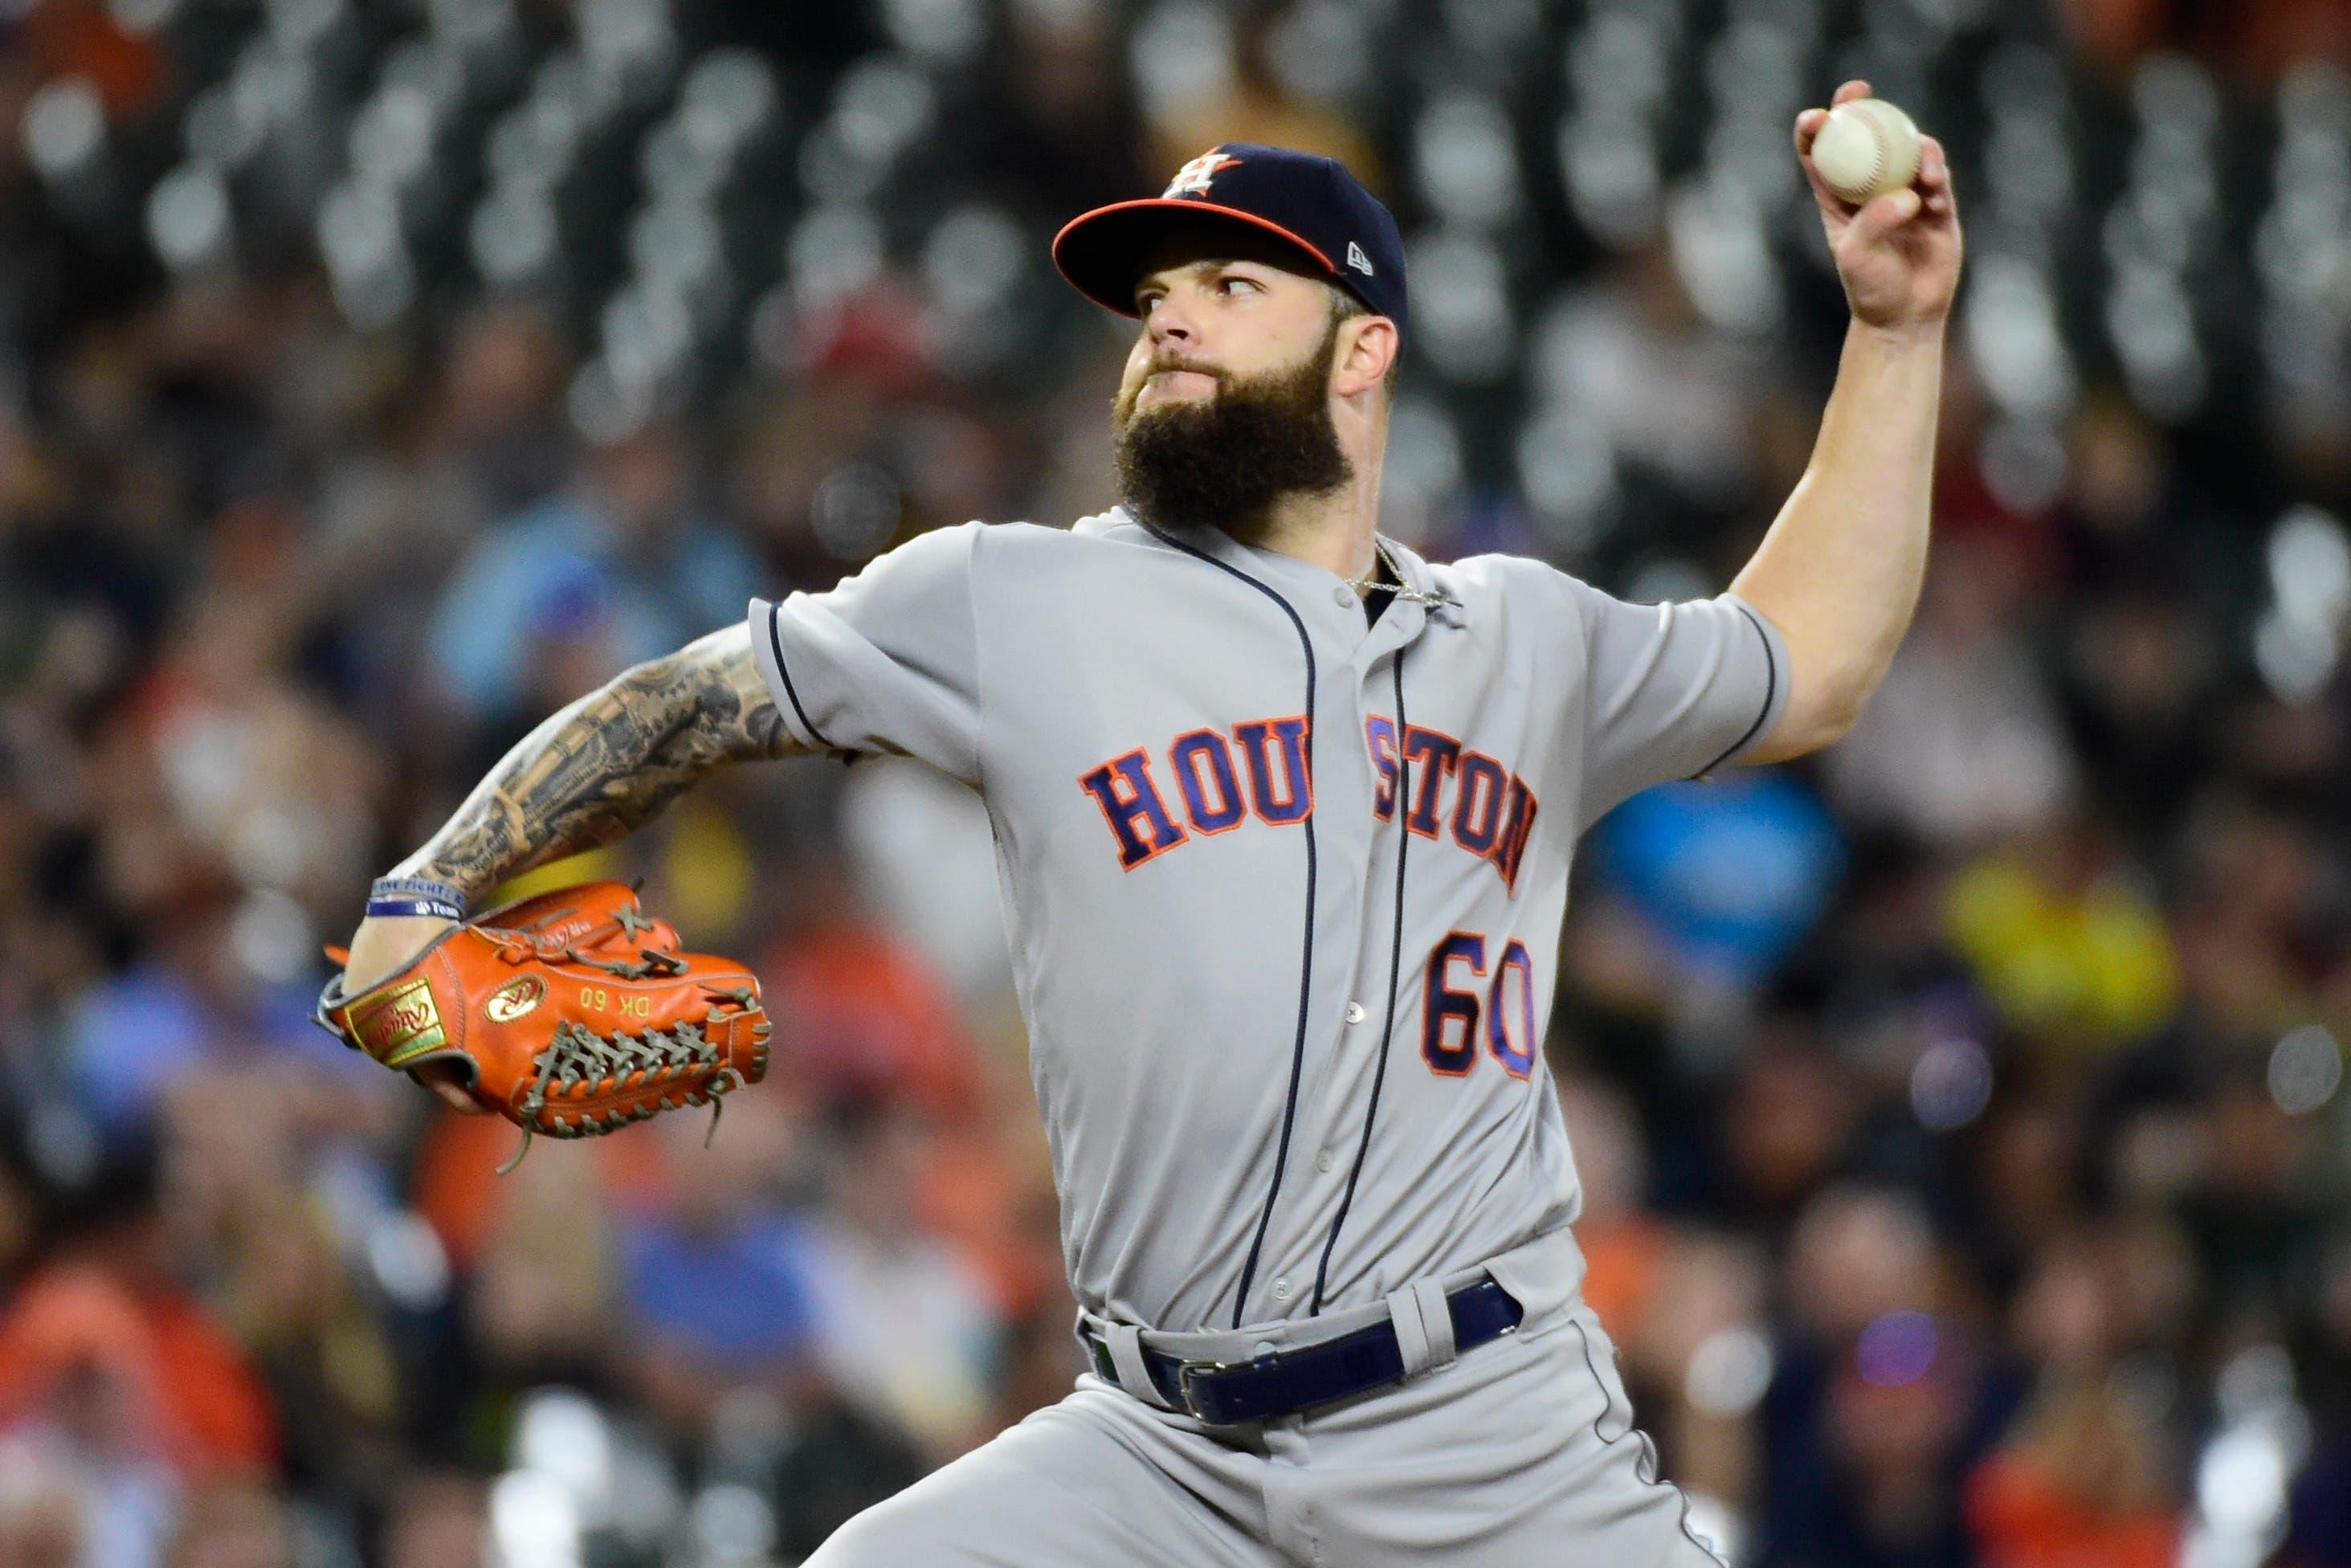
x=1365 y=587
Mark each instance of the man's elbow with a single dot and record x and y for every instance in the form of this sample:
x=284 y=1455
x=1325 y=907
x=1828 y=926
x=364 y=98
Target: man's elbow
x=1814 y=718
x=1827 y=728
x=1831 y=679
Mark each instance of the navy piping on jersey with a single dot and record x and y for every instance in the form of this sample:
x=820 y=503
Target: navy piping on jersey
x=1770 y=690
x=1306 y=961
x=776 y=642
x=1395 y=965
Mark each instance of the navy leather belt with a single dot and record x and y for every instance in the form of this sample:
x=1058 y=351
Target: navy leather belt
x=1287 y=1382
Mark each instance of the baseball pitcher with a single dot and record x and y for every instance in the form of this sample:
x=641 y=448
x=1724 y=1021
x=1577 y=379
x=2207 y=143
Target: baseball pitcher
x=1283 y=817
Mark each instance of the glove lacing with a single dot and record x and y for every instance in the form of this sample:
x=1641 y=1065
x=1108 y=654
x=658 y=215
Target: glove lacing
x=578 y=1055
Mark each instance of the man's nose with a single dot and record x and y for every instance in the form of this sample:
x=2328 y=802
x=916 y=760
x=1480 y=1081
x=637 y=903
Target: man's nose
x=1168 y=323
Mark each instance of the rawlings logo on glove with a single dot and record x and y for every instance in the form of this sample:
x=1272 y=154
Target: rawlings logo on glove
x=572 y=1013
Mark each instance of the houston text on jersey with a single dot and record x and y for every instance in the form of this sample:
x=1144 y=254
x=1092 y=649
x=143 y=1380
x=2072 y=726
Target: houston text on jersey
x=1261 y=770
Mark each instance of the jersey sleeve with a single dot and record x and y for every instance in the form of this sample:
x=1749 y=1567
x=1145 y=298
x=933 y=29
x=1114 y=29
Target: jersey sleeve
x=1672 y=691
x=886 y=662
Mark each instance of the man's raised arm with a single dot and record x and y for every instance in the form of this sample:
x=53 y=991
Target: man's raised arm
x=1840 y=570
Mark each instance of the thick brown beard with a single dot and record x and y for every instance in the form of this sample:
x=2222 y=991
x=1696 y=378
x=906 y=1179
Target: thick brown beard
x=1223 y=460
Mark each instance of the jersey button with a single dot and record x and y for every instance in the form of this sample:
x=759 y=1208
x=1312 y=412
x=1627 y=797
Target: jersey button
x=1282 y=1289
x=1262 y=1347
x=1342 y=595
x=1354 y=1012
x=1322 y=1161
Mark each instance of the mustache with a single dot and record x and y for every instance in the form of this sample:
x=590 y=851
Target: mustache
x=1160 y=364
x=1123 y=406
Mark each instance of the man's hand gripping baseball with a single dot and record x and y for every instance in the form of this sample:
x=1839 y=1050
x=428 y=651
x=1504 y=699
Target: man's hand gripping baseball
x=1898 y=255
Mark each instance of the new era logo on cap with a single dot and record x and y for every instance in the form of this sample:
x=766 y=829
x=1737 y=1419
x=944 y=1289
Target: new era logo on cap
x=1313 y=202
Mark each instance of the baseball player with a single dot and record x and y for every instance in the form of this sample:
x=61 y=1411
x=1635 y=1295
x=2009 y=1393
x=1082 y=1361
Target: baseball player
x=1284 y=817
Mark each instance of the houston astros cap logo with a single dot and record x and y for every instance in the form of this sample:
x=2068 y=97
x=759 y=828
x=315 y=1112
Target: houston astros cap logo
x=1192 y=179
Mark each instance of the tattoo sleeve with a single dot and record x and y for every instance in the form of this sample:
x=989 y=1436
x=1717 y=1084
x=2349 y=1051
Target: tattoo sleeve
x=601 y=767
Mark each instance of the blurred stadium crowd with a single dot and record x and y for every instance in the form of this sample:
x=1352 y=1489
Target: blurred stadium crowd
x=1958 y=1116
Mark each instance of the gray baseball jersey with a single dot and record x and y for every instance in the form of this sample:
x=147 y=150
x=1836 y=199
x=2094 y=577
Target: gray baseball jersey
x=1283 y=886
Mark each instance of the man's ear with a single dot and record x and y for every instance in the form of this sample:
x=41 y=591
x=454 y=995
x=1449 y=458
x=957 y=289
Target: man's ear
x=1368 y=346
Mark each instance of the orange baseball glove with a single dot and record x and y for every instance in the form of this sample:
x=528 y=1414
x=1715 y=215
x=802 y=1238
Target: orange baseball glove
x=573 y=1013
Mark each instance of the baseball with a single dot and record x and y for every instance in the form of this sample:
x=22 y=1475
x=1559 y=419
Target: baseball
x=1867 y=148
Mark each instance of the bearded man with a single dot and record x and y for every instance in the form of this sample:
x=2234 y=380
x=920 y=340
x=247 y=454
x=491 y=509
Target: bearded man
x=1284 y=815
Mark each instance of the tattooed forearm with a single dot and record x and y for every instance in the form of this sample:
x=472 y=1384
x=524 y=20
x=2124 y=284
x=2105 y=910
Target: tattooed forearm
x=603 y=766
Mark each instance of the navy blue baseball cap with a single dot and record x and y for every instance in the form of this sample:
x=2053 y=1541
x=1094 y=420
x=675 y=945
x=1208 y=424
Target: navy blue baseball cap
x=1339 y=228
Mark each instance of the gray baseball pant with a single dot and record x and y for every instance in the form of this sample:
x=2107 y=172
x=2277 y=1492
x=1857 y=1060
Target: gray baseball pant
x=1519 y=1452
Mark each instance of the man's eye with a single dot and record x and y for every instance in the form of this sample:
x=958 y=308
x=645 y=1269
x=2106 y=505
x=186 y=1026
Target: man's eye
x=1236 y=285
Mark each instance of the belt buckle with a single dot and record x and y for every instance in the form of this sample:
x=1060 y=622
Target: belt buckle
x=1212 y=1413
